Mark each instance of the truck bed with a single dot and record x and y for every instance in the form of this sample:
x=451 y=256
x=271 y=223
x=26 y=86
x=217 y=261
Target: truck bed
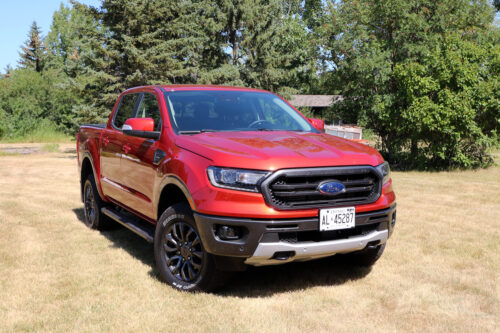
x=101 y=126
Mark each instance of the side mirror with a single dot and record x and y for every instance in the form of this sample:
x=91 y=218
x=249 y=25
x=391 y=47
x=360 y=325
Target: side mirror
x=140 y=127
x=317 y=124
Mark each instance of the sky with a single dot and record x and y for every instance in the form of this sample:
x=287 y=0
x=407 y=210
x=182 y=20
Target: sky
x=17 y=16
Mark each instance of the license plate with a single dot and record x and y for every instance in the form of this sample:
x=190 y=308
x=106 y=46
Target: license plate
x=337 y=218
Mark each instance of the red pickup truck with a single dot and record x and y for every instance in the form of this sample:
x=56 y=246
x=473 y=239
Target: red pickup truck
x=219 y=178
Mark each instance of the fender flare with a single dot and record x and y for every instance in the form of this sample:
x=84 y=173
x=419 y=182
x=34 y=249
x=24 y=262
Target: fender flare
x=97 y=180
x=172 y=179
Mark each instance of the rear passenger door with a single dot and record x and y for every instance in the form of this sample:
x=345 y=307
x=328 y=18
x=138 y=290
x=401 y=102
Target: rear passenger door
x=139 y=171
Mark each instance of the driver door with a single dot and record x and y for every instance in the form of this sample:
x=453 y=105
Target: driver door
x=137 y=163
x=112 y=147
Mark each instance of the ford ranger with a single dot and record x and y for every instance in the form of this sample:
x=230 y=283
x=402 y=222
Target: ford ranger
x=218 y=178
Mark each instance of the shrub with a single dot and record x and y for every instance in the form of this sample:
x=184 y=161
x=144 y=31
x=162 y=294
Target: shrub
x=35 y=105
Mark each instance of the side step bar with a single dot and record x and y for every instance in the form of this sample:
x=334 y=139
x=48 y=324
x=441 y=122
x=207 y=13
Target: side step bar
x=141 y=228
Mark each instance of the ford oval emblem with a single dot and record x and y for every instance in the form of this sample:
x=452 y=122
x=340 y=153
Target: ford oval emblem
x=331 y=188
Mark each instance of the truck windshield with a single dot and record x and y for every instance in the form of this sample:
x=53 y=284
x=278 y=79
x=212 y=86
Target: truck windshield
x=199 y=111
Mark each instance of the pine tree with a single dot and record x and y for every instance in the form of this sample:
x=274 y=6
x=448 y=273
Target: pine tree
x=7 y=70
x=67 y=39
x=312 y=13
x=33 y=52
x=148 y=42
x=266 y=41
x=496 y=4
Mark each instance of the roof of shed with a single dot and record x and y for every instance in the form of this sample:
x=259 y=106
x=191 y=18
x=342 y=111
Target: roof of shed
x=314 y=100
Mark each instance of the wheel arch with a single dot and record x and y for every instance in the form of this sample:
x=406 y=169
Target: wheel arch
x=87 y=168
x=172 y=191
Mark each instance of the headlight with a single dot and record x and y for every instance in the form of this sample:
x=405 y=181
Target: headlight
x=237 y=179
x=385 y=171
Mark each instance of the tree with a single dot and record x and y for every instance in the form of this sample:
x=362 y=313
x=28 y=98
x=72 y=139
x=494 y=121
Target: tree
x=33 y=52
x=67 y=39
x=71 y=67
x=313 y=10
x=249 y=43
x=7 y=71
x=496 y=3
x=140 y=43
x=267 y=43
x=412 y=71
x=152 y=42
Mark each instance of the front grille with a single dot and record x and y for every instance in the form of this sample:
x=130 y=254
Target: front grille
x=289 y=189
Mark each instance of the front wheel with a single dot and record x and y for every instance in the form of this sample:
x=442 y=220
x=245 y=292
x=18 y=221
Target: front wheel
x=180 y=257
x=366 y=257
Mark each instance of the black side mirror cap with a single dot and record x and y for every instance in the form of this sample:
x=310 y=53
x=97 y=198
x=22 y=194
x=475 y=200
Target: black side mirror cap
x=143 y=134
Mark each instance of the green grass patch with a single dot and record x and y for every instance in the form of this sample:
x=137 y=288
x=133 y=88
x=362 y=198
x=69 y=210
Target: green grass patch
x=50 y=147
x=8 y=153
x=45 y=132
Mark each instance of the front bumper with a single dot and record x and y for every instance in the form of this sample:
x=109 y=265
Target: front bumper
x=282 y=252
x=268 y=242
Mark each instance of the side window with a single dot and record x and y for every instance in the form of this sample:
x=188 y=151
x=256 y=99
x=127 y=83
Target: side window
x=125 y=110
x=149 y=108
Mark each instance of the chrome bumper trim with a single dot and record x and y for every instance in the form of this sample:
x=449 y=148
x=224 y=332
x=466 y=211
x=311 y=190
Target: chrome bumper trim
x=312 y=250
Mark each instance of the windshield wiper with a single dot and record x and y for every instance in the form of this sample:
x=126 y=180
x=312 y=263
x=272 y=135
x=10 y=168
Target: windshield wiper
x=197 y=131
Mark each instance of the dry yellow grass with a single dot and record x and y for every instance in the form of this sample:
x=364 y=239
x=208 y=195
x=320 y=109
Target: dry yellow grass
x=440 y=271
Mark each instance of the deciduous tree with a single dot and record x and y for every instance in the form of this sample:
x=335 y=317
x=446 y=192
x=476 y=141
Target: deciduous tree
x=413 y=71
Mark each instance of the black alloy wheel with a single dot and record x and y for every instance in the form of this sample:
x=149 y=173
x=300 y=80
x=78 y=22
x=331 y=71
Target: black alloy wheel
x=180 y=257
x=89 y=204
x=183 y=251
x=92 y=204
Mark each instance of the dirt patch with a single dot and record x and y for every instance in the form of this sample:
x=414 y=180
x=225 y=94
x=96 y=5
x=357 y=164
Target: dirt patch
x=7 y=149
x=20 y=150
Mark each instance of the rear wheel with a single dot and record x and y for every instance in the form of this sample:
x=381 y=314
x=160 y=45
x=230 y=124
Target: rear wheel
x=180 y=257
x=93 y=203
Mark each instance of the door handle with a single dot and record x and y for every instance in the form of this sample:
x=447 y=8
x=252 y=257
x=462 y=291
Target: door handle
x=106 y=141
x=126 y=148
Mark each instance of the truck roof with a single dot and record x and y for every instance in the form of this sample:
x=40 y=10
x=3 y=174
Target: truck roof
x=174 y=87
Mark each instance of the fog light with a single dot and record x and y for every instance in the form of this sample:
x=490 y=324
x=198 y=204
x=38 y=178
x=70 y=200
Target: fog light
x=393 y=220
x=226 y=232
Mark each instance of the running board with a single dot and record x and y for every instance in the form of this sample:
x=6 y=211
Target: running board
x=139 y=227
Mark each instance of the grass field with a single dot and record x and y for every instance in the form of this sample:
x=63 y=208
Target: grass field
x=440 y=271
x=44 y=132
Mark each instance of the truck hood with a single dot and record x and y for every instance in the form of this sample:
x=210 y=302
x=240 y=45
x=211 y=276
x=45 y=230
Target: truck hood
x=274 y=150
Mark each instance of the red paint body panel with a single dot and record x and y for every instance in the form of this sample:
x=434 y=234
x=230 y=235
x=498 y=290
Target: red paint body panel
x=126 y=173
x=317 y=123
x=278 y=150
x=141 y=124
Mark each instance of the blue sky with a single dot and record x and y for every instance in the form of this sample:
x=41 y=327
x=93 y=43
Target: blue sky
x=17 y=16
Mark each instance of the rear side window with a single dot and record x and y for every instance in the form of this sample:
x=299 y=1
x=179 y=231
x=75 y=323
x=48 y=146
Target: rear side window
x=125 y=110
x=149 y=108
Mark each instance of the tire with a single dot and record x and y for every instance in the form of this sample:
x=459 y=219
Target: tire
x=92 y=204
x=180 y=256
x=367 y=257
